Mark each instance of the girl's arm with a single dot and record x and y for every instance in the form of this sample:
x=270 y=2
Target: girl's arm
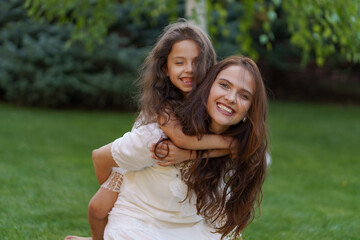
x=173 y=155
x=173 y=130
x=103 y=162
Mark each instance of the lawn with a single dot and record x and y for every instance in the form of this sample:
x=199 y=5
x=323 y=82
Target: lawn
x=312 y=190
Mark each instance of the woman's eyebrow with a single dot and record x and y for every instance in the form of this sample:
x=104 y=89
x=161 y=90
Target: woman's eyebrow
x=230 y=83
x=224 y=79
x=247 y=91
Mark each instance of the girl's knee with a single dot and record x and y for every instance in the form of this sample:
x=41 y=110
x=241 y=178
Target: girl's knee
x=96 y=209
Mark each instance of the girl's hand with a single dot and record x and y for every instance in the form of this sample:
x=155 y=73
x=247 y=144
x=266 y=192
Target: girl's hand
x=233 y=148
x=169 y=154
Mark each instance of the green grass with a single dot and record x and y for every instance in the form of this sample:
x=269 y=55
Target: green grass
x=313 y=186
x=312 y=190
x=46 y=171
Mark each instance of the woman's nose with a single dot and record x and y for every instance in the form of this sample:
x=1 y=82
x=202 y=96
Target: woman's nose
x=231 y=96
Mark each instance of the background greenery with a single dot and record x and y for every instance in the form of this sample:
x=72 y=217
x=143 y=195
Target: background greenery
x=45 y=63
x=36 y=67
x=311 y=191
x=307 y=50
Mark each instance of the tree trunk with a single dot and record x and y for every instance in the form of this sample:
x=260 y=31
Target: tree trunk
x=196 y=12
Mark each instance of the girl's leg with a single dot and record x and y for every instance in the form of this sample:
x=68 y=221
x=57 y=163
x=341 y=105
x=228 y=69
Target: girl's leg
x=101 y=204
x=103 y=201
x=99 y=207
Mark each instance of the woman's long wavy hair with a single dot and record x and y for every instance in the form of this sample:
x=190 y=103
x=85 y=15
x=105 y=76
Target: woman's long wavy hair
x=156 y=92
x=228 y=189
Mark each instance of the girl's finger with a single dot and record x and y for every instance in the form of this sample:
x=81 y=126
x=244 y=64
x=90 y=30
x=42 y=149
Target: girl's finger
x=161 y=163
x=160 y=146
x=160 y=150
x=163 y=146
x=155 y=157
x=164 y=164
x=161 y=154
x=158 y=158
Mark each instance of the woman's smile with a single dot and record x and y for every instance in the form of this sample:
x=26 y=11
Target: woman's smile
x=230 y=98
x=224 y=109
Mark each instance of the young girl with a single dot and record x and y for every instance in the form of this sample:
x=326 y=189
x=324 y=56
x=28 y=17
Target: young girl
x=208 y=199
x=176 y=65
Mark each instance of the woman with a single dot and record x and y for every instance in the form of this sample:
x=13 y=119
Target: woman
x=228 y=188
x=209 y=198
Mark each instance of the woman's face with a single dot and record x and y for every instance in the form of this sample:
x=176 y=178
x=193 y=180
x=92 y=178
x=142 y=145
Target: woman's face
x=230 y=98
x=180 y=64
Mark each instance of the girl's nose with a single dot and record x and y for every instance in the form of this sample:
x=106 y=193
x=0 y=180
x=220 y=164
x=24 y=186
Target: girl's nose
x=189 y=68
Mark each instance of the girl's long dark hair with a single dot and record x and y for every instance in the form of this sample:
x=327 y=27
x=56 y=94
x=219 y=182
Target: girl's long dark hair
x=228 y=189
x=156 y=92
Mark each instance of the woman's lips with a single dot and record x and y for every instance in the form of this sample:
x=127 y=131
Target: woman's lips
x=225 y=109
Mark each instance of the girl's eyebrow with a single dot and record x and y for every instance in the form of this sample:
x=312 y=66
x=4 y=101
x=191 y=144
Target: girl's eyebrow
x=178 y=57
x=230 y=83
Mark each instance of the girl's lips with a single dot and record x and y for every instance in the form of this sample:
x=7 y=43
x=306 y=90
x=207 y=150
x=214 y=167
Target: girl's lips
x=186 y=80
x=224 y=109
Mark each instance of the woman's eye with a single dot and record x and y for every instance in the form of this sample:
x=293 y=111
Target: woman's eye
x=179 y=63
x=224 y=85
x=244 y=96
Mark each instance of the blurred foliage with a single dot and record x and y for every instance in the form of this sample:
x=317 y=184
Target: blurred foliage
x=91 y=18
x=319 y=28
x=326 y=27
x=43 y=58
x=37 y=68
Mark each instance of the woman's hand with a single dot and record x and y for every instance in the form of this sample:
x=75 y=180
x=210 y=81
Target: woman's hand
x=169 y=154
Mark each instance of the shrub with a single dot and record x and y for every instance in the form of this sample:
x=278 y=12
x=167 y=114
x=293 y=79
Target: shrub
x=38 y=68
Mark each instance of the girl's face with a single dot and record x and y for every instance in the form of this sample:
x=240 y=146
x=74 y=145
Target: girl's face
x=230 y=98
x=180 y=64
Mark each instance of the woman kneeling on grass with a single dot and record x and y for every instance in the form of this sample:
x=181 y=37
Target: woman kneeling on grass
x=205 y=198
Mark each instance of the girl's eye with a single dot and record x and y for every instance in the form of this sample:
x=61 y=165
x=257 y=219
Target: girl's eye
x=179 y=63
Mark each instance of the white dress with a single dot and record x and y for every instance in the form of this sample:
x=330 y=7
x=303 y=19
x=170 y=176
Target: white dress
x=149 y=206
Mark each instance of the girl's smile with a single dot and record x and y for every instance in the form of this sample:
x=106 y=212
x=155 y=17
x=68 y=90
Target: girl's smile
x=180 y=64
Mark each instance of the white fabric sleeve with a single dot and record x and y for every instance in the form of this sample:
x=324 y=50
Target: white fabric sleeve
x=131 y=151
x=115 y=179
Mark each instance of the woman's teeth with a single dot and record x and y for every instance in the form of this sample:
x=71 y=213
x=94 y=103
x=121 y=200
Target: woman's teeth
x=222 y=107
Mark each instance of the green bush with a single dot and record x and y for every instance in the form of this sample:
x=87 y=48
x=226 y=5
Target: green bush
x=38 y=68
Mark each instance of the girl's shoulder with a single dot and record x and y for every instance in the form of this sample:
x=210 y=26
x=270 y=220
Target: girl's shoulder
x=148 y=130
